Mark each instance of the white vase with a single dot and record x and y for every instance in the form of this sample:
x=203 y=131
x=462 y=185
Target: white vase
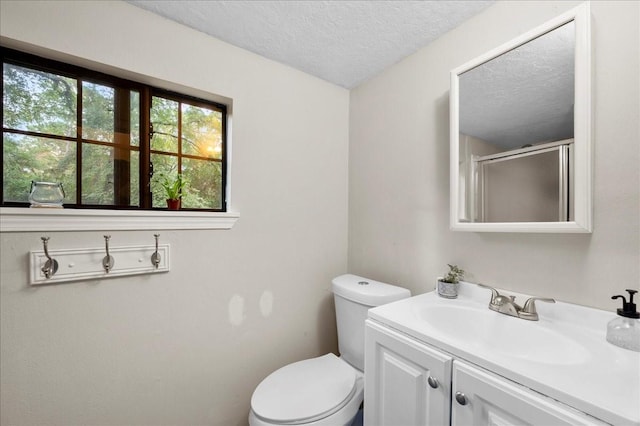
x=448 y=290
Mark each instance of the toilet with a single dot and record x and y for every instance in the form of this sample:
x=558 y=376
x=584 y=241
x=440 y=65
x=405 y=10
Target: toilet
x=327 y=390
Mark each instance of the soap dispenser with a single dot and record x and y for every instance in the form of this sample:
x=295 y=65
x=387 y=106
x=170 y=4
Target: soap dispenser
x=624 y=330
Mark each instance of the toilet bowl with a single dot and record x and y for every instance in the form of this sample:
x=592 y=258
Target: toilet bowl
x=327 y=390
x=319 y=391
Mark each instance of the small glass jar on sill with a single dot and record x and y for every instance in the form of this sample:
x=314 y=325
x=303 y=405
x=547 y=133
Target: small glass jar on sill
x=46 y=194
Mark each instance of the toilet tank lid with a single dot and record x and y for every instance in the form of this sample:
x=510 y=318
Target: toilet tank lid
x=366 y=291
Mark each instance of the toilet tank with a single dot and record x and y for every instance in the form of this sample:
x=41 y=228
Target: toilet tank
x=353 y=297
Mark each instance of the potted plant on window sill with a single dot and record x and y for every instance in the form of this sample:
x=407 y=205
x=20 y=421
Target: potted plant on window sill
x=173 y=188
x=448 y=286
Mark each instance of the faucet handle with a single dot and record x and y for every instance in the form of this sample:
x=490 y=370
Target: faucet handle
x=529 y=312
x=494 y=292
x=497 y=300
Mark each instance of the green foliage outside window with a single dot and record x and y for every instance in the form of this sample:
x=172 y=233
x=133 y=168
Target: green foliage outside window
x=39 y=102
x=40 y=141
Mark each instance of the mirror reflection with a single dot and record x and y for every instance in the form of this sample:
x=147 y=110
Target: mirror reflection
x=516 y=133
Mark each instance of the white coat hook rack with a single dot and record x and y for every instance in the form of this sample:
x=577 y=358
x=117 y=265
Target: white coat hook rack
x=79 y=264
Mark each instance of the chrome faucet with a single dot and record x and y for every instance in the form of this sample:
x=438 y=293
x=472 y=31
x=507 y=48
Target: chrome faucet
x=507 y=305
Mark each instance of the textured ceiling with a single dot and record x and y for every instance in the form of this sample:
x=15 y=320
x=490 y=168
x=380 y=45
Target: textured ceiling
x=343 y=42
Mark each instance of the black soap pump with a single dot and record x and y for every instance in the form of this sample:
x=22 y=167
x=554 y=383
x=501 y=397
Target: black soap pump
x=624 y=330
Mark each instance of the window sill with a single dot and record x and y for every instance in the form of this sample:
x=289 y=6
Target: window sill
x=15 y=219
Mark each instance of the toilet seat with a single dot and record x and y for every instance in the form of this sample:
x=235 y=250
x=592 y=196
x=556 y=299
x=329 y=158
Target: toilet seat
x=305 y=391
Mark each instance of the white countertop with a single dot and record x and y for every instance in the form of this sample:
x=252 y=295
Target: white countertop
x=564 y=355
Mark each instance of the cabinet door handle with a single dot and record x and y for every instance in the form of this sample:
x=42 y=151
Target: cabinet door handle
x=433 y=382
x=461 y=398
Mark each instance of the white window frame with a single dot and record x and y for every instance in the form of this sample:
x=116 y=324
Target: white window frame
x=18 y=219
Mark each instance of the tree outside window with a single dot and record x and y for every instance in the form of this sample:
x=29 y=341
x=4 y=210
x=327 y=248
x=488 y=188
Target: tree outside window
x=88 y=131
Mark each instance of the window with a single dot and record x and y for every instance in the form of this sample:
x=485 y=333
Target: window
x=107 y=140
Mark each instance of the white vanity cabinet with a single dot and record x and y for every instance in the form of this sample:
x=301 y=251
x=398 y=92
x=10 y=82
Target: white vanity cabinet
x=482 y=398
x=412 y=383
x=407 y=382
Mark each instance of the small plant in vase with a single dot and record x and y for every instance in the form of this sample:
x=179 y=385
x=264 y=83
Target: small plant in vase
x=173 y=188
x=448 y=286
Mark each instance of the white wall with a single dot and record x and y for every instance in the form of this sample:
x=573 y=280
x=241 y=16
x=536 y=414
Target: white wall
x=399 y=169
x=165 y=349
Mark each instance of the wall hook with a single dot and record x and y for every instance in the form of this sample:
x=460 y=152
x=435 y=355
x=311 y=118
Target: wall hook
x=51 y=265
x=155 y=257
x=108 y=261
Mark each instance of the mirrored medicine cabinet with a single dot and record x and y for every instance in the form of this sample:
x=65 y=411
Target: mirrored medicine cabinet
x=521 y=133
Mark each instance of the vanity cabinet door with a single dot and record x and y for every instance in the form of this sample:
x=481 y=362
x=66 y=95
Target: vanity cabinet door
x=482 y=398
x=406 y=382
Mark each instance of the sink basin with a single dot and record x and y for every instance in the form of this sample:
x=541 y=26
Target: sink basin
x=532 y=341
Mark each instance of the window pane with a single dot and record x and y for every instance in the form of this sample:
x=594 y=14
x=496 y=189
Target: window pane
x=88 y=133
x=38 y=101
x=134 y=184
x=204 y=184
x=27 y=158
x=162 y=165
x=201 y=131
x=97 y=174
x=135 y=118
x=97 y=112
x=164 y=118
